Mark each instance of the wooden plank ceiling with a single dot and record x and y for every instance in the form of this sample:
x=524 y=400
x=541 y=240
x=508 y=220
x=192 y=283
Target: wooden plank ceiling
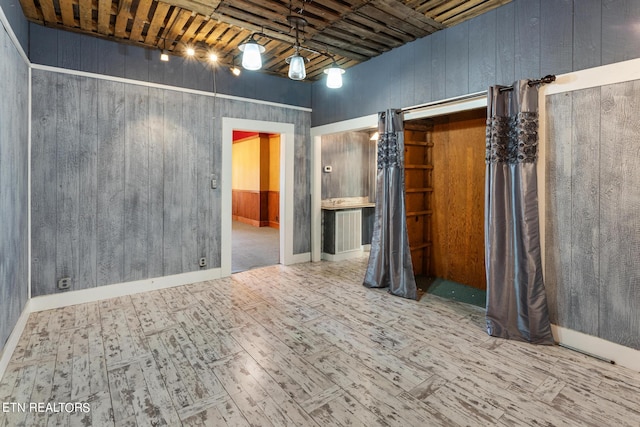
x=350 y=31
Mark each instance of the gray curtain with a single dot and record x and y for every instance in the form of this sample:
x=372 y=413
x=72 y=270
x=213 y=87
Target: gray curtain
x=516 y=299
x=390 y=257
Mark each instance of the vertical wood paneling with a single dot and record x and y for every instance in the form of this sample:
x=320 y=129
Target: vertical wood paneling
x=87 y=176
x=505 y=44
x=189 y=169
x=67 y=178
x=110 y=188
x=619 y=220
x=458 y=198
x=422 y=71
x=585 y=224
x=173 y=188
x=620 y=40
x=43 y=176
x=438 y=65
x=136 y=62
x=214 y=225
x=527 y=39
x=587 y=34
x=558 y=207
x=155 y=224
x=348 y=155
x=136 y=182
x=457 y=60
x=204 y=125
x=482 y=51
x=135 y=169
x=69 y=53
x=111 y=58
x=301 y=172
x=556 y=36
x=14 y=196
x=592 y=233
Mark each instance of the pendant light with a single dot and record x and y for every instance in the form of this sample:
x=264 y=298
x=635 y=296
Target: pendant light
x=297 y=69
x=334 y=76
x=296 y=62
x=251 y=54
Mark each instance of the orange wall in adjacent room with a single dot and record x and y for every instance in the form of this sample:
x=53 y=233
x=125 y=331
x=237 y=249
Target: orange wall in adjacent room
x=255 y=180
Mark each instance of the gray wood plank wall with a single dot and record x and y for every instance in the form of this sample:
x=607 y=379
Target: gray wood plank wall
x=522 y=39
x=19 y=24
x=121 y=178
x=57 y=48
x=14 y=180
x=593 y=200
x=352 y=158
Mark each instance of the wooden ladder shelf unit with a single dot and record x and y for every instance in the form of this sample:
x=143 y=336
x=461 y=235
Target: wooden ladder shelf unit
x=418 y=167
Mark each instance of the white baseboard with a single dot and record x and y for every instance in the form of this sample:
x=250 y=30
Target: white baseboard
x=48 y=302
x=621 y=355
x=301 y=258
x=12 y=342
x=342 y=256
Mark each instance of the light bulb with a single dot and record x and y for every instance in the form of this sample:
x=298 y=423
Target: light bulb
x=296 y=67
x=213 y=57
x=190 y=51
x=334 y=76
x=163 y=56
x=251 y=57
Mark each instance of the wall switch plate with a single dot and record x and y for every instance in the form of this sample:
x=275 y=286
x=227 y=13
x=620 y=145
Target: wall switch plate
x=202 y=262
x=64 y=283
x=214 y=182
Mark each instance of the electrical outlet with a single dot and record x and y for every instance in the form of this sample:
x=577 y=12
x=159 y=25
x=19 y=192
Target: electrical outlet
x=64 y=283
x=202 y=262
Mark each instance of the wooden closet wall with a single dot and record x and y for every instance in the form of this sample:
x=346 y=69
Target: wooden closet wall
x=447 y=235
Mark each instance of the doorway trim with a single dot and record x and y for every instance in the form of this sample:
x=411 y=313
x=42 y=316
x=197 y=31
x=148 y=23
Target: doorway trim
x=287 y=134
x=433 y=109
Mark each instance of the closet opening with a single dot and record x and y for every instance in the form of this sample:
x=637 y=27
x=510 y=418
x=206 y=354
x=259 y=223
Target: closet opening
x=444 y=195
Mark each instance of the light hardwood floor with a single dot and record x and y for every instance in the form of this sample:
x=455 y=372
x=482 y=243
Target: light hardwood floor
x=304 y=345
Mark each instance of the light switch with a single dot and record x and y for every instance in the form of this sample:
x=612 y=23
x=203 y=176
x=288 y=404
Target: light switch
x=214 y=182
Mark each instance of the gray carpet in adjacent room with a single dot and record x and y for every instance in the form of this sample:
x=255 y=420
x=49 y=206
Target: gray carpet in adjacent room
x=253 y=247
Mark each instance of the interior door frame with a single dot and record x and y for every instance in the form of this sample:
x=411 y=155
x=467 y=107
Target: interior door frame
x=287 y=144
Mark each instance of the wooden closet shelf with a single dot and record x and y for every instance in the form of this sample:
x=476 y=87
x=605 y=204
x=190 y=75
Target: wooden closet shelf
x=419 y=144
x=420 y=246
x=419 y=190
x=418 y=166
x=420 y=213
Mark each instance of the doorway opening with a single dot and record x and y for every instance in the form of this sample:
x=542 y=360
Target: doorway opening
x=255 y=200
x=444 y=193
x=287 y=132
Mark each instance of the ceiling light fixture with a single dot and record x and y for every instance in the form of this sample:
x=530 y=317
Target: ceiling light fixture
x=251 y=53
x=190 y=51
x=213 y=57
x=334 y=76
x=235 y=71
x=296 y=62
x=163 y=53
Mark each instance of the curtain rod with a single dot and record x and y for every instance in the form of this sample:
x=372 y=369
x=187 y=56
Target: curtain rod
x=544 y=80
x=445 y=101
